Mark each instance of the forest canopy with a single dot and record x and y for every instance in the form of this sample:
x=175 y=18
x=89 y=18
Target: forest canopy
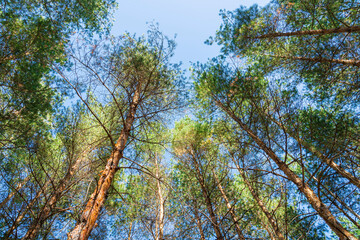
x=106 y=137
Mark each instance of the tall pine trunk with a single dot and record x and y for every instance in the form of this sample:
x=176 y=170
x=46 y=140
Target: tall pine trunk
x=91 y=212
x=161 y=202
x=208 y=202
x=309 y=32
x=229 y=207
x=308 y=146
x=49 y=206
x=262 y=206
x=351 y=62
x=312 y=198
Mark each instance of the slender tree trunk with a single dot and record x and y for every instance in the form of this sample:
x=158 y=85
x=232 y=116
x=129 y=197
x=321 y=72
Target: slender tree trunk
x=271 y=235
x=313 y=199
x=228 y=205
x=309 y=32
x=208 y=201
x=160 y=232
x=54 y=198
x=89 y=216
x=198 y=221
x=354 y=180
x=129 y=236
x=351 y=62
x=333 y=165
x=341 y=202
x=262 y=206
x=18 y=187
x=26 y=210
x=286 y=212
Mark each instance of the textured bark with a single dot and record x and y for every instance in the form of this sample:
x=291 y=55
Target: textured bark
x=309 y=32
x=262 y=206
x=47 y=209
x=341 y=202
x=312 y=198
x=161 y=201
x=229 y=207
x=198 y=221
x=351 y=62
x=354 y=180
x=208 y=202
x=91 y=212
x=18 y=187
x=130 y=229
x=271 y=235
x=26 y=210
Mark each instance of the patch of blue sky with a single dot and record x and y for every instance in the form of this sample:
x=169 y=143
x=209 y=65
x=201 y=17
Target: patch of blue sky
x=192 y=21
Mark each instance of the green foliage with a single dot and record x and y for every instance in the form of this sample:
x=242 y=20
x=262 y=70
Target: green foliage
x=33 y=36
x=295 y=94
x=312 y=59
x=190 y=133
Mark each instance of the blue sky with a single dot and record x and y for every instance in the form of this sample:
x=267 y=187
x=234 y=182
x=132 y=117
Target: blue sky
x=193 y=21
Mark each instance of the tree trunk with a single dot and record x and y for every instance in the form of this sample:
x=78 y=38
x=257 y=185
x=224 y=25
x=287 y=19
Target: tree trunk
x=89 y=216
x=308 y=32
x=18 y=187
x=333 y=165
x=54 y=198
x=28 y=207
x=268 y=230
x=262 y=206
x=208 y=202
x=130 y=229
x=354 y=180
x=160 y=232
x=228 y=205
x=198 y=221
x=313 y=199
x=351 y=62
x=341 y=202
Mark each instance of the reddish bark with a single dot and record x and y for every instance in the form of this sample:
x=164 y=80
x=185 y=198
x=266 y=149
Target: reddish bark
x=351 y=62
x=262 y=206
x=308 y=32
x=230 y=208
x=208 y=202
x=312 y=198
x=18 y=187
x=53 y=199
x=91 y=212
x=354 y=180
